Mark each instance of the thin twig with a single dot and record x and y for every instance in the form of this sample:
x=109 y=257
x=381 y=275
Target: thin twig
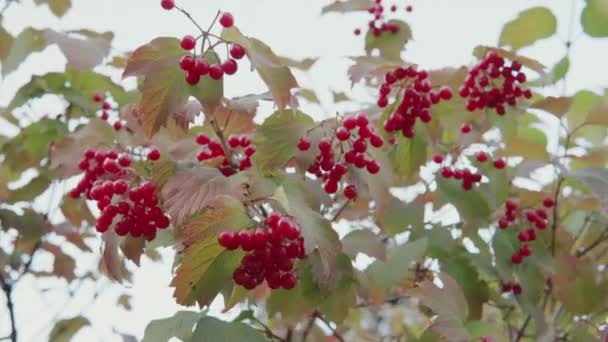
x=339 y=212
x=603 y=237
x=7 y=287
x=191 y=19
x=267 y=330
x=309 y=326
x=328 y=324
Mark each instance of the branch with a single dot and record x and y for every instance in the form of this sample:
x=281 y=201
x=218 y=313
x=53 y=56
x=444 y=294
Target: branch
x=520 y=332
x=555 y=213
x=28 y=264
x=339 y=212
x=8 y=289
x=328 y=324
x=603 y=237
x=309 y=326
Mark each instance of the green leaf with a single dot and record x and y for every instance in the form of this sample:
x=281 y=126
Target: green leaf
x=82 y=53
x=595 y=18
x=27 y=42
x=410 y=154
x=557 y=73
x=449 y=303
x=218 y=276
x=471 y=205
x=30 y=191
x=596 y=180
x=31 y=145
x=466 y=275
x=164 y=90
x=347 y=6
x=531 y=25
x=582 y=104
x=399 y=215
x=211 y=329
x=191 y=190
x=316 y=230
x=528 y=148
x=179 y=326
x=363 y=241
x=65 y=329
x=558 y=106
x=58 y=7
x=277 y=138
x=387 y=274
x=577 y=285
x=199 y=234
x=278 y=77
x=6 y=42
x=389 y=44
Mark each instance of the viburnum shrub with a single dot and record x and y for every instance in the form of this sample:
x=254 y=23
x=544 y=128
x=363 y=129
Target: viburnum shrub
x=402 y=208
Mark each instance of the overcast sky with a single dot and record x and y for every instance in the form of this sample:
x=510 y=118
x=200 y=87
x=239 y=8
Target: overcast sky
x=445 y=32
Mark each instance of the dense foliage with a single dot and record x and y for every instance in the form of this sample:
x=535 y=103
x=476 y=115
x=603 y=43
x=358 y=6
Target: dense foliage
x=271 y=214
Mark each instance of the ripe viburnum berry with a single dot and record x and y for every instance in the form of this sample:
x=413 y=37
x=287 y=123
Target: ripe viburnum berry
x=304 y=144
x=438 y=158
x=465 y=128
x=237 y=51
x=548 y=202
x=167 y=4
x=229 y=66
x=226 y=20
x=216 y=72
x=188 y=42
x=154 y=155
x=500 y=163
x=350 y=191
x=97 y=97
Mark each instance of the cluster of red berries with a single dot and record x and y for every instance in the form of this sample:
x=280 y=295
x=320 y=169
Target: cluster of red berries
x=271 y=250
x=240 y=147
x=195 y=68
x=351 y=139
x=468 y=178
x=379 y=24
x=126 y=203
x=493 y=84
x=417 y=97
x=538 y=217
x=511 y=287
x=106 y=110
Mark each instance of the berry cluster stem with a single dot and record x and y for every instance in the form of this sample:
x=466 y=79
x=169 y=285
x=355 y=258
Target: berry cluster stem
x=220 y=134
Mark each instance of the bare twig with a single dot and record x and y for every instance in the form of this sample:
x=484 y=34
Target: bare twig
x=603 y=237
x=311 y=323
x=339 y=212
x=328 y=324
x=7 y=287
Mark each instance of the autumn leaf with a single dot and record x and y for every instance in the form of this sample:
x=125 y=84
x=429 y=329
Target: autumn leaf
x=211 y=329
x=65 y=329
x=111 y=263
x=530 y=25
x=343 y=6
x=58 y=7
x=191 y=190
x=164 y=88
x=389 y=44
x=25 y=43
x=180 y=326
x=81 y=53
x=277 y=76
x=363 y=241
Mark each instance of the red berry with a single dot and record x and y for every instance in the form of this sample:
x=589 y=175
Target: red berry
x=104 y=116
x=304 y=144
x=445 y=93
x=517 y=289
x=350 y=191
x=325 y=145
x=234 y=141
x=511 y=205
x=106 y=106
x=503 y=223
x=192 y=77
x=154 y=155
x=167 y=4
x=525 y=251
x=382 y=102
x=226 y=20
x=202 y=139
x=188 y=42
x=548 y=202
x=481 y=157
x=117 y=125
x=409 y=8
x=362 y=120
x=376 y=140
x=249 y=151
x=187 y=63
x=465 y=128
x=506 y=287
x=517 y=258
x=229 y=66
x=216 y=72
x=201 y=67
x=246 y=240
x=273 y=220
x=330 y=187
x=446 y=172
x=357 y=31
x=360 y=146
x=438 y=158
x=288 y=281
x=500 y=163
x=237 y=51
x=523 y=236
x=350 y=122
x=342 y=134
x=372 y=166
x=97 y=97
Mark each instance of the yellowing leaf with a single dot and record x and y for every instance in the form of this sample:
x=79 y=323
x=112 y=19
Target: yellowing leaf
x=410 y=154
x=6 y=41
x=526 y=148
x=132 y=248
x=598 y=114
x=276 y=75
x=343 y=6
x=65 y=329
x=577 y=286
x=449 y=303
x=557 y=73
x=81 y=53
x=389 y=44
x=235 y=118
x=191 y=190
x=471 y=204
x=304 y=64
x=531 y=25
x=595 y=18
x=76 y=211
x=277 y=139
x=111 y=264
x=28 y=41
x=558 y=106
x=30 y=191
x=582 y=103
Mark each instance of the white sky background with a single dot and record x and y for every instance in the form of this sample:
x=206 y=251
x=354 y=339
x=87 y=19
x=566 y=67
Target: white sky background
x=445 y=33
